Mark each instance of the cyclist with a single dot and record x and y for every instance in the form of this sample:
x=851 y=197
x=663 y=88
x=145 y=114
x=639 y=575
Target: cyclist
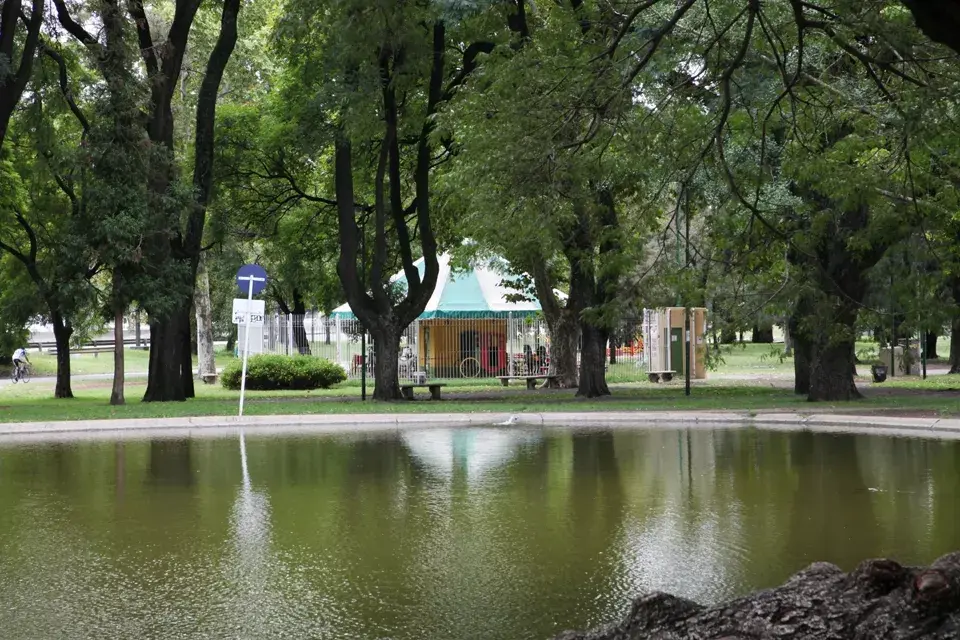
x=20 y=361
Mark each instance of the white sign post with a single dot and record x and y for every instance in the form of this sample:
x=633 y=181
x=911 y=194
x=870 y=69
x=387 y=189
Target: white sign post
x=256 y=279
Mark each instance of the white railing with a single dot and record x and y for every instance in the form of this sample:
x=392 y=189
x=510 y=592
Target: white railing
x=439 y=348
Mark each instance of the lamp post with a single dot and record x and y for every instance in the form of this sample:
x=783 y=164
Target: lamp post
x=363 y=332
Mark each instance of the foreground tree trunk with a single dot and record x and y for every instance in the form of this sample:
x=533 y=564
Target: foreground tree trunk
x=169 y=342
x=204 y=311
x=593 y=380
x=116 y=394
x=61 y=334
x=938 y=19
x=801 y=346
x=878 y=599
x=564 y=340
x=831 y=366
x=386 y=355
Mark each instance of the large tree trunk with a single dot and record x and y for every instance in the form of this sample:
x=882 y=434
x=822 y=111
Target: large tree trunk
x=762 y=333
x=878 y=599
x=116 y=394
x=787 y=339
x=169 y=343
x=593 y=380
x=386 y=355
x=831 y=368
x=300 y=340
x=931 y=346
x=61 y=334
x=204 y=309
x=938 y=19
x=955 y=345
x=801 y=347
x=564 y=338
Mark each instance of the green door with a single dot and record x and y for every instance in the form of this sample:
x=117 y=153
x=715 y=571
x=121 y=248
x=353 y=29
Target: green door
x=676 y=349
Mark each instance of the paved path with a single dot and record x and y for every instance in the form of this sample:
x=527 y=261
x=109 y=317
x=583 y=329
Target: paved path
x=361 y=423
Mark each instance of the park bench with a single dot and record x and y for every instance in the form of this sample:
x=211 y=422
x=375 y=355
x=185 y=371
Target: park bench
x=406 y=390
x=657 y=376
x=531 y=380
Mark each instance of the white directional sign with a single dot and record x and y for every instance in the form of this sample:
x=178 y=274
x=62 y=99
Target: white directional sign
x=255 y=308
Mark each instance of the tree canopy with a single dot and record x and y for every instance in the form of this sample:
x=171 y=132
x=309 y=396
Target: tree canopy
x=777 y=162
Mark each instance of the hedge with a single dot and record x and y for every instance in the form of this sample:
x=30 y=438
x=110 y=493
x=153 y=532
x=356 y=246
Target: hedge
x=272 y=372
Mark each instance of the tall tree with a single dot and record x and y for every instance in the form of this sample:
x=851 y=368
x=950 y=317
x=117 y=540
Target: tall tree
x=390 y=75
x=14 y=72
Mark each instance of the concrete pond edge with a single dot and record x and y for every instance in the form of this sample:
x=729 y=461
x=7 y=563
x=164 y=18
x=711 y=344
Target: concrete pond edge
x=202 y=426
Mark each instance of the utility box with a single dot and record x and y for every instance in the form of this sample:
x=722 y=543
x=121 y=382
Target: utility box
x=664 y=352
x=909 y=366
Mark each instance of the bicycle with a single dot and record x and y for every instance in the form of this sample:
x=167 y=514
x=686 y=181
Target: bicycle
x=469 y=367
x=20 y=374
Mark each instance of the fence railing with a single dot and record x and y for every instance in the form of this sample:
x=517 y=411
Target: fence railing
x=440 y=349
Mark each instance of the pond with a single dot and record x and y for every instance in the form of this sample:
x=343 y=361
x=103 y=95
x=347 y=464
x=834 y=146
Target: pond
x=488 y=533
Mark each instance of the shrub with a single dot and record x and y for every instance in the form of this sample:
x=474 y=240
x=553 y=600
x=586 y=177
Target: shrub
x=271 y=372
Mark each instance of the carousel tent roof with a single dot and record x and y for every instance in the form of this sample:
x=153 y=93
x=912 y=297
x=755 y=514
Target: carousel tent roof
x=479 y=292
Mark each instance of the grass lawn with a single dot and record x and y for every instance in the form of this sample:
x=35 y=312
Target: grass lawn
x=23 y=403
x=770 y=390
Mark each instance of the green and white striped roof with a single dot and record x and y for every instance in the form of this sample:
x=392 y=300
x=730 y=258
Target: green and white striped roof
x=476 y=293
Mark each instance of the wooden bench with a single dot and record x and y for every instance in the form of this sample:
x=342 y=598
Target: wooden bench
x=657 y=376
x=406 y=390
x=531 y=380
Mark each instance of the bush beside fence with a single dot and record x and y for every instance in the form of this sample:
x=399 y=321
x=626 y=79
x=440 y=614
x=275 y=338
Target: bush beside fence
x=276 y=372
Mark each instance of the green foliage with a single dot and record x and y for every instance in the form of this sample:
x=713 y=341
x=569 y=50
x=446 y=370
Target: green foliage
x=273 y=372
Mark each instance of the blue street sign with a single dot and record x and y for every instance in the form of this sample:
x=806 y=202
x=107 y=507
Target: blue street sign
x=252 y=272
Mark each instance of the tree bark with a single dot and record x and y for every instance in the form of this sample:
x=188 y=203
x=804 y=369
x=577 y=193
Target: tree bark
x=14 y=82
x=762 y=334
x=204 y=311
x=386 y=355
x=801 y=345
x=564 y=339
x=879 y=599
x=168 y=345
x=931 y=347
x=831 y=366
x=613 y=349
x=938 y=19
x=300 y=340
x=61 y=334
x=955 y=345
x=593 y=380
x=116 y=394
x=787 y=340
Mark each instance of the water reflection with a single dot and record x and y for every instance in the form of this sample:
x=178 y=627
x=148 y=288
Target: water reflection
x=473 y=452
x=443 y=533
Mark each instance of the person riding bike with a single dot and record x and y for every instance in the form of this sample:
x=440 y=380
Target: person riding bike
x=20 y=362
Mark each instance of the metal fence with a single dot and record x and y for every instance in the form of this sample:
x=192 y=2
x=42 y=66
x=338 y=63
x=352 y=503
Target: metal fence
x=439 y=348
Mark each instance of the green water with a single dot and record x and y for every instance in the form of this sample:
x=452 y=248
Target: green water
x=441 y=533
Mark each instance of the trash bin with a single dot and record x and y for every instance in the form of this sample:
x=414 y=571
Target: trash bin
x=879 y=372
